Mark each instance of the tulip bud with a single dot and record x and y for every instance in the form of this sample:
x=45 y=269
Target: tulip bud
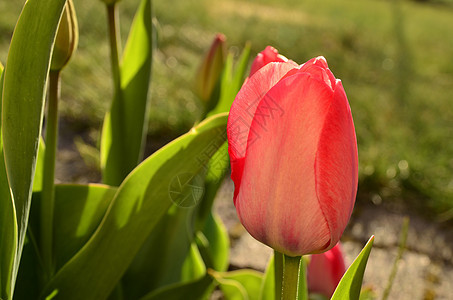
x=66 y=39
x=211 y=69
x=325 y=271
x=270 y=54
x=293 y=152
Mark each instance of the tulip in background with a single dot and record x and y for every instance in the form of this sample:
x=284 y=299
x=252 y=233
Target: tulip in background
x=211 y=69
x=325 y=270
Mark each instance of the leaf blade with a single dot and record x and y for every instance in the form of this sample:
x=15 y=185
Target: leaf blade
x=24 y=87
x=8 y=224
x=139 y=204
x=351 y=283
x=125 y=125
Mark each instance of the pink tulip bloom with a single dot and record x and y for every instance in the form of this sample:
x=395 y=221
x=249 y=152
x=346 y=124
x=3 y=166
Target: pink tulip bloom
x=325 y=271
x=270 y=54
x=293 y=155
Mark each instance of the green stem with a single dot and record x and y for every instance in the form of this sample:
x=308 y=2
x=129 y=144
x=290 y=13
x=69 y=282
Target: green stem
x=278 y=273
x=290 y=282
x=114 y=37
x=48 y=185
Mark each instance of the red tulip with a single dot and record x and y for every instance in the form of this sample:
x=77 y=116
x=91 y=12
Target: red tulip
x=293 y=155
x=270 y=54
x=325 y=271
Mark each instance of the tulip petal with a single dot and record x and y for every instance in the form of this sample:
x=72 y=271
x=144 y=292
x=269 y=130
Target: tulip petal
x=318 y=67
x=337 y=165
x=243 y=110
x=268 y=55
x=277 y=202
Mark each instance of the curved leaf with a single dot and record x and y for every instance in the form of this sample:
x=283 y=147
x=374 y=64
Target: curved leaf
x=351 y=283
x=8 y=224
x=214 y=244
x=24 y=87
x=125 y=125
x=194 y=266
x=37 y=180
x=140 y=202
x=240 y=284
x=267 y=291
x=216 y=170
x=197 y=289
x=157 y=266
x=79 y=210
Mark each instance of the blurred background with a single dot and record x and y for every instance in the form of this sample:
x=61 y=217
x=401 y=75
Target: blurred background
x=395 y=59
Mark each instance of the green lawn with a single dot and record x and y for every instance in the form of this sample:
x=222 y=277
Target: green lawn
x=395 y=59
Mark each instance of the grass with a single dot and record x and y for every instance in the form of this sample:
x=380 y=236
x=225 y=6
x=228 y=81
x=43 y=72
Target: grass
x=395 y=59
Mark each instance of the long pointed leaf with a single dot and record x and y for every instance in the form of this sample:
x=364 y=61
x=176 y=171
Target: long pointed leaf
x=125 y=125
x=79 y=210
x=214 y=244
x=24 y=87
x=197 y=289
x=37 y=180
x=240 y=284
x=157 y=266
x=351 y=283
x=268 y=285
x=8 y=224
x=140 y=202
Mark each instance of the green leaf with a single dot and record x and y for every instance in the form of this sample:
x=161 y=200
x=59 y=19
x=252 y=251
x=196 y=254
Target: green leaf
x=214 y=244
x=24 y=88
x=8 y=224
x=240 y=284
x=216 y=170
x=194 y=281
x=274 y=269
x=231 y=81
x=351 y=283
x=194 y=266
x=267 y=291
x=140 y=202
x=28 y=284
x=125 y=125
x=157 y=266
x=37 y=181
x=197 y=289
x=154 y=267
x=79 y=210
